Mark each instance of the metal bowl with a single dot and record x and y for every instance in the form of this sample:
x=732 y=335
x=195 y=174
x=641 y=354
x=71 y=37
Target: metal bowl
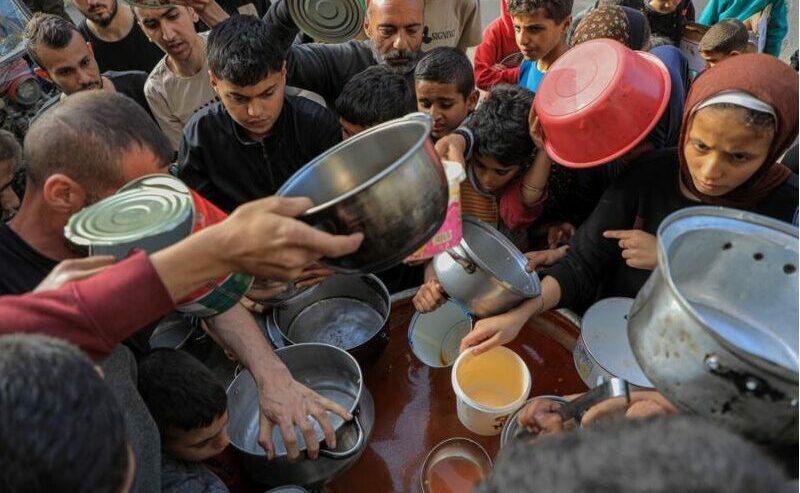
x=387 y=183
x=457 y=448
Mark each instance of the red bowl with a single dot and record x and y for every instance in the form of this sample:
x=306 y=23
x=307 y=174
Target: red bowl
x=598 y=101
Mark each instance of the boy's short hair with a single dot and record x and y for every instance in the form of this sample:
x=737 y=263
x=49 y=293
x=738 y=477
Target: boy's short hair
x=375 y=96
x=664 y=454
x=48 y=30
x=243 y=51
x=62 y=428
x=557 y=10
x=447 y=65
x=500 y=125
x=725 y=36
x=180 y=392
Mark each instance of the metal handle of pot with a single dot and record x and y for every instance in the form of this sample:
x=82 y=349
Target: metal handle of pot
x=351 y=451
x=460 y=257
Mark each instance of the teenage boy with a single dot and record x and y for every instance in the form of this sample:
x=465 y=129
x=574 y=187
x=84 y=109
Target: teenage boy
x=541 y=31
x=250 y=142
x=374 y=96
x=190 y=408
x=178 y=85
x=445 y=87
x=723 y=40
x=117 y=41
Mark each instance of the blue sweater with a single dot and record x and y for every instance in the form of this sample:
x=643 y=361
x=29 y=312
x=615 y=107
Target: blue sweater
x=777 y=26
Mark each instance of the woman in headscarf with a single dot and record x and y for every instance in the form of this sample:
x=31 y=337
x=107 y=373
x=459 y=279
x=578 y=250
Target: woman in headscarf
x=736 y=125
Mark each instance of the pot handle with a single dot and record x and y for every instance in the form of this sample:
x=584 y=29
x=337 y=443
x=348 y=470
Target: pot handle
x=460 y=257
x=351 y=451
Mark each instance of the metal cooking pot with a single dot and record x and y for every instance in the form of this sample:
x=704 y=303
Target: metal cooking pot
x=349 y=312
x=330 y=372
x=485 y=273
x=715 y=326
x=387 y=182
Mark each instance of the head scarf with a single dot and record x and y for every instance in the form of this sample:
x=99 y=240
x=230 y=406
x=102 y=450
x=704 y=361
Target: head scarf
x=768 y=80
x=623 y=24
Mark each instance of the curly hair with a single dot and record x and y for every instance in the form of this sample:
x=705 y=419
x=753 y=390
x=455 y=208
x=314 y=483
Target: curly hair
x=500 y=126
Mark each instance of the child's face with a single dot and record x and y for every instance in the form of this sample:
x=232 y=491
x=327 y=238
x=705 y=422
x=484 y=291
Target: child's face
x=537 y=34
x=492 y=175
x=664 y=6
x=714 y=57
x=199 y=444
x=256 y=108
x=722 y=153
x=350 y=129
x=446 y=105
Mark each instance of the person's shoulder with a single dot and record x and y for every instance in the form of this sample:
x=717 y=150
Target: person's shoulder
x=155 y=79
x=306 y=108
x=211 y=116
x=138 y=77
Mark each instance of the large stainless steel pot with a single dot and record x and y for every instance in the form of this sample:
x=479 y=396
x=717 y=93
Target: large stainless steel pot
x=485 y=272
x=387 y=182
x=350 y=312
x=715 y=326
x=332 y=373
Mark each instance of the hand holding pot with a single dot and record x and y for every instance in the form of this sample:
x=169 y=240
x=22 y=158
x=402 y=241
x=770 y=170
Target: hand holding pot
x=495 y=331
x=643 y=404
x=639 y=249
x=287 y=403
x=541 y=417
x=429 y=297
x=452 y=148
x=545 y=258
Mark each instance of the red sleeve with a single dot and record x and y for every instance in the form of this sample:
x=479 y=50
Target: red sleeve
x=487 y=54
x=513 y=212
x=97 y=313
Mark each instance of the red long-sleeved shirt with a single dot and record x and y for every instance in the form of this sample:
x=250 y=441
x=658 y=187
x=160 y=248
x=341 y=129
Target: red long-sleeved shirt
x=498 y=43
x=95 y=314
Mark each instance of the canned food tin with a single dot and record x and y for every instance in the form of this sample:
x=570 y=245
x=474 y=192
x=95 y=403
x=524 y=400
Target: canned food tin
x=328 y=21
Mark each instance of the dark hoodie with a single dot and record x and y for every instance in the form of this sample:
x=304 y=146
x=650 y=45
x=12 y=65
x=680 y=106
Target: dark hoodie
x=648 y=192
x=498 y=43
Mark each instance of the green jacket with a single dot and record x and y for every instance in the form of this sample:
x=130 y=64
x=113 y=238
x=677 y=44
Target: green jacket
x=717 y=10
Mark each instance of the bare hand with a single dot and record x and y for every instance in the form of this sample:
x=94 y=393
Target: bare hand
x=638 y=248
x=313 y=275
x=451 y=148
x=541 y=417
x=429 y=297
x=74 y=270
x=494 y=331
x=262 y=238
x=545 y=258
x=643 y=404
x=287 y=403
x=535 y=129
x=559 y=234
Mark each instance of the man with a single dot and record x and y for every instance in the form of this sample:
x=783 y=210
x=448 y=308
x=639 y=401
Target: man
x=453 y=24
x=178 y=85
x=117 y=41
x=395 y=31
x=10 y=162
x=82 y=151
x=59 y=434
x=67 y=60
x=250 y=142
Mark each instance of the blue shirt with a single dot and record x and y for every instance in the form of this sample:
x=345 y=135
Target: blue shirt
x=530 y=76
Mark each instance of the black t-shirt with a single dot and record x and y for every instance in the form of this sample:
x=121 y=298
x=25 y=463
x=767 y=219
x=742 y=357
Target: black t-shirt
x=22 y=267
x=639 y=199
x=133 y=52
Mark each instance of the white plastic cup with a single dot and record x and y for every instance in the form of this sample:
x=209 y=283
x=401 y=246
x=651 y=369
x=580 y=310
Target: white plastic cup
x=435 y=337
x=489 y=388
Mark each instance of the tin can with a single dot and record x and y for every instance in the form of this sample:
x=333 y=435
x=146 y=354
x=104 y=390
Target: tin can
x=329 y=21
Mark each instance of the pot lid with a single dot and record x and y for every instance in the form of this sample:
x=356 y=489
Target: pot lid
x=328 y=21
x=604 y=331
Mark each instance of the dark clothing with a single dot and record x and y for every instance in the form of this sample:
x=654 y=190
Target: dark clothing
x=55 y=7
x=668 y=129
x=246 y=7
x=639 y=199
x=22 y=266
x=218 y=160
x=670 y=25
x=321 y=68
x=133 y=52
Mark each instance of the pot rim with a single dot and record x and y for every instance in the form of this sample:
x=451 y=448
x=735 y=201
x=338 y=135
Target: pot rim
x=445 y=442
x=412 y=328
x=664 y=268
x=460 y=394
x=384 y=293
x=518 y=256
x=413 y=119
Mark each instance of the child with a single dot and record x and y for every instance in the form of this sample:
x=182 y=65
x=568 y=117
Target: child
x=503 y=188
x=723 y=40
x=190 y=407
x=541 y=30
x=667 y=18
x=777 y=25
x=498 y=43
x=445 y=88
x=736 y=125
x=374 y=96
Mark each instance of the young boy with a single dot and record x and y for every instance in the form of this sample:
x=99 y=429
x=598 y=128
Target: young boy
x=374 y=96
x=666 y=19
x=445 y=87
x=190 y=408
x=723 y=40
x=541 y=31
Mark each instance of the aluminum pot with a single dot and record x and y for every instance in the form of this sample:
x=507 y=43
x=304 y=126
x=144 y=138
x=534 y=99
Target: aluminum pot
x=332 y=373
x=485 y=273
x=715 y=326
x=387 y=182
x=350 y=312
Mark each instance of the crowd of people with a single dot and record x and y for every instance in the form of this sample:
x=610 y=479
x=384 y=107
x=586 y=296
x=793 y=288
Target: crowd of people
x=231 y=97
